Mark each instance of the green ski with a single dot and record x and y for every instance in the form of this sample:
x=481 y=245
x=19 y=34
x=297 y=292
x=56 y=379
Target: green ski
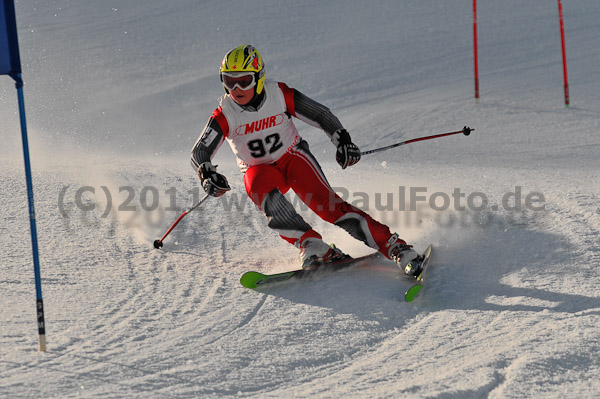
x=413 y=291
x=256 y=280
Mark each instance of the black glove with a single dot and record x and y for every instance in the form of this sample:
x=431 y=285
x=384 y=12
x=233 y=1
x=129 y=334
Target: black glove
x=347 y=153
x=215 y=184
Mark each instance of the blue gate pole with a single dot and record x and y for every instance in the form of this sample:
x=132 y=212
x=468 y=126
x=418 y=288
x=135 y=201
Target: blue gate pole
x=34 y=243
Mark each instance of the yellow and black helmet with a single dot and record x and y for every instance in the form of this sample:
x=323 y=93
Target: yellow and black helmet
x=242 y=61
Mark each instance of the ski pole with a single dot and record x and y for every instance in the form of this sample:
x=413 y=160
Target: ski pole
x=465 y=130
x=159 y=243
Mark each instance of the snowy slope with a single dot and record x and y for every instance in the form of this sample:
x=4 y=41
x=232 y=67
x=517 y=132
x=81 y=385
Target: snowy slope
x=117 y=92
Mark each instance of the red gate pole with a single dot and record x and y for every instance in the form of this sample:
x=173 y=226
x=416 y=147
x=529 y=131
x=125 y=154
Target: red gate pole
x=475 y=49
x=564 y=53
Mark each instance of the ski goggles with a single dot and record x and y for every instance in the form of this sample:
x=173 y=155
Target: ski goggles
x=242 y=80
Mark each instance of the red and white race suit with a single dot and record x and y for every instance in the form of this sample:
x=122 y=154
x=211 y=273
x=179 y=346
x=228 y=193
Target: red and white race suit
x=275 y=159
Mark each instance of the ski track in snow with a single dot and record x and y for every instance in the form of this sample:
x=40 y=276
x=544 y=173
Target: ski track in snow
x=350 y=333
x=511 y=308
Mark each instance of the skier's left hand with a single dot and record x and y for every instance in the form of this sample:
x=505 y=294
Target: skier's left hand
x=347 y=153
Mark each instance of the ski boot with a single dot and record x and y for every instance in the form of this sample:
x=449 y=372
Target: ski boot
x=405 y=257
x=314 y=252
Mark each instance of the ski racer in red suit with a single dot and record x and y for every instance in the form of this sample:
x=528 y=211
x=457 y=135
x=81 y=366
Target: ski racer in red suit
x=255 y=117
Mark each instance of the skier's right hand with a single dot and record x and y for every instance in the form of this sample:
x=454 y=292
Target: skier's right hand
x=215 y=184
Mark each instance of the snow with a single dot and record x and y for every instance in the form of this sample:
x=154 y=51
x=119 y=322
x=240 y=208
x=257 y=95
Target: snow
x=117 y=93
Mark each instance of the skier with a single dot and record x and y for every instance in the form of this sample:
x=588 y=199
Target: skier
x=255 y=117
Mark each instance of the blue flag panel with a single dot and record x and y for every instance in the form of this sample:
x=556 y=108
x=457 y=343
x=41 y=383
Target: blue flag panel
x=10 y=63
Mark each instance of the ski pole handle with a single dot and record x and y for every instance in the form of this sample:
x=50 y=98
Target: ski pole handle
x=159 y=243
x=465 y=130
